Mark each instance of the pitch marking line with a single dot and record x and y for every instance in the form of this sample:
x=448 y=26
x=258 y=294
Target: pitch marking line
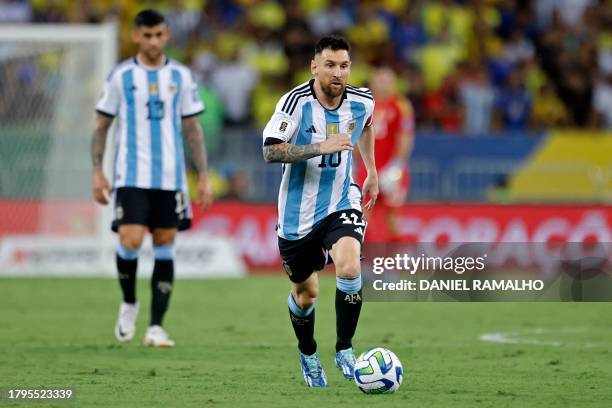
x=526 y=337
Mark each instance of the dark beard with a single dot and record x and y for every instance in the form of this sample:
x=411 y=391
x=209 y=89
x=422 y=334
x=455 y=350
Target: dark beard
x=330 y=93
x=152 y=56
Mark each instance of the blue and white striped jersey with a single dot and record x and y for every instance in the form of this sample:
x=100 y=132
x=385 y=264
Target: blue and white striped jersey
x=149 y=104
x=311 y=190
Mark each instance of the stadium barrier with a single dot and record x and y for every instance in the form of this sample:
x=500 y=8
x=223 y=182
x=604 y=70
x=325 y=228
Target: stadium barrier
x=67 y=244
x=197 y=256
x=234 y=232
x=252 y=227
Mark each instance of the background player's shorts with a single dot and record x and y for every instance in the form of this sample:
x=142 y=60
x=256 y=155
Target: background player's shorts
x=303 y=256
x=153 y=208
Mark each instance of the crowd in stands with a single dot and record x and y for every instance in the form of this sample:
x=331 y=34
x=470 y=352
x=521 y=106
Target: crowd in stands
x=468 y=66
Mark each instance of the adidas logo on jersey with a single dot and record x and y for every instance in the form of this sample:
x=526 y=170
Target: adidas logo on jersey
x=359 y=230
x=311 y=129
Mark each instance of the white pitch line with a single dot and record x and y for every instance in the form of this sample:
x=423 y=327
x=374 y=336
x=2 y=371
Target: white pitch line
x=518 y=337
x=507 y=338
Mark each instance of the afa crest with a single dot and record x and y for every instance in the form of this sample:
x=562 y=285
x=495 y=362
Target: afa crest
x=351 y=126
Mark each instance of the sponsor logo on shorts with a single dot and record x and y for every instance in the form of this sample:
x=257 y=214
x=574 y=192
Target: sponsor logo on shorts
x=287 y=269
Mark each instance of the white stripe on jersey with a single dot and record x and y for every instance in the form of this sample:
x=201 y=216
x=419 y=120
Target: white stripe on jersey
x=150 y=104
x=313 y=189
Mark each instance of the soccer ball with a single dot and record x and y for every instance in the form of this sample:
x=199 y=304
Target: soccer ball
x=378 y=371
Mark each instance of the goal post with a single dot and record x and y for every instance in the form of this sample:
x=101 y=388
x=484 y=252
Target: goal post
x=51 y=76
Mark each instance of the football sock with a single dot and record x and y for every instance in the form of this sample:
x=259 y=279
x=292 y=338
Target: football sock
x=303 y=321
x=127 y=263
x=348 y=307
x=161 y=282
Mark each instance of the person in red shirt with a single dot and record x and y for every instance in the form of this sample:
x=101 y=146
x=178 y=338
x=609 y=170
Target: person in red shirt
x=394 y=135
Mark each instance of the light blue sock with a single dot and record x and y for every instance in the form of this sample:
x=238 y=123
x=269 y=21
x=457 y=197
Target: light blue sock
x=164 y=252
x=350 y=286
x=297 y=310
x=127 y=254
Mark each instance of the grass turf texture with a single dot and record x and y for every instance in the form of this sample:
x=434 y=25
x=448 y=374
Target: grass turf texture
x=235 y=347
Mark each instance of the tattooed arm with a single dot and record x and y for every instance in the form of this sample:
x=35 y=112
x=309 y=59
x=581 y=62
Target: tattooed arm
x=195 y=138
x=287 y=153
x=101 y=187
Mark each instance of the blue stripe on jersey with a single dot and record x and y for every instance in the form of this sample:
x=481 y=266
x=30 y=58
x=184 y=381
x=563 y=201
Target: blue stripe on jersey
x=295 y=189
x=131 y=175
x=328 y=173
x=358 y=110
x=176 y=122
x=156 y=112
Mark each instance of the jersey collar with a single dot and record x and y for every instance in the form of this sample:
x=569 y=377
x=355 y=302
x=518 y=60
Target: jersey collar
x=165 y=62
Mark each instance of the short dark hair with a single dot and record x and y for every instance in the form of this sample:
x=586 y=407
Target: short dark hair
x=149 y=18
x=333 y=42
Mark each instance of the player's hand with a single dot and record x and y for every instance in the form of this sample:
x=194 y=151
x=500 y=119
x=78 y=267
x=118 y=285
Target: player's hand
x=336 y=143
x=101 y=188
x=370 y=189
x=204 y=198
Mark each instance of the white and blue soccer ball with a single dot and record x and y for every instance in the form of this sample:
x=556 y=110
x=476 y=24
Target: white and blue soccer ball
x=378 y=371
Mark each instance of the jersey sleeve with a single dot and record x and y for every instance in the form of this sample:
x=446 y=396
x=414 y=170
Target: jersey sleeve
x=369 y=113
x=191 y=104
x=282 y=125
x=111 y=96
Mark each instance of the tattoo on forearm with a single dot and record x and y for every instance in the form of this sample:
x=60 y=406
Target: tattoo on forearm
x=288 y=153
x=195 y=137
x=98 y=143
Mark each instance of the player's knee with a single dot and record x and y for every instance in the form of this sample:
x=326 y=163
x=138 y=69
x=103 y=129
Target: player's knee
x=131 y=242
x=304 y=302
x=307 y=298
x=163 y=238
x=349 y=269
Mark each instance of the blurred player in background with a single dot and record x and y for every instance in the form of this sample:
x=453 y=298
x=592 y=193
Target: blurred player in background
x=394 y=130
x=312 y=132
x=156 y=102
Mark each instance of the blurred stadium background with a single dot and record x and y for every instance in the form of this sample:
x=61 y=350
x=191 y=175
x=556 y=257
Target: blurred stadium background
x=513 y=105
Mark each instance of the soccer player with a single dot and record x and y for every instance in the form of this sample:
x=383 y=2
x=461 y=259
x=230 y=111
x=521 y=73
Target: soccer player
x=394 y=128
x=313 y=132
x=156 y=102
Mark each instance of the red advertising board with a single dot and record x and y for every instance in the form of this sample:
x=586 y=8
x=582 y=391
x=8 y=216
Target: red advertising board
x=252 y=227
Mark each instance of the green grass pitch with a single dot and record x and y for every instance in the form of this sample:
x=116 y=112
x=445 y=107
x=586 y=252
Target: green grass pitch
x=235 y=348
